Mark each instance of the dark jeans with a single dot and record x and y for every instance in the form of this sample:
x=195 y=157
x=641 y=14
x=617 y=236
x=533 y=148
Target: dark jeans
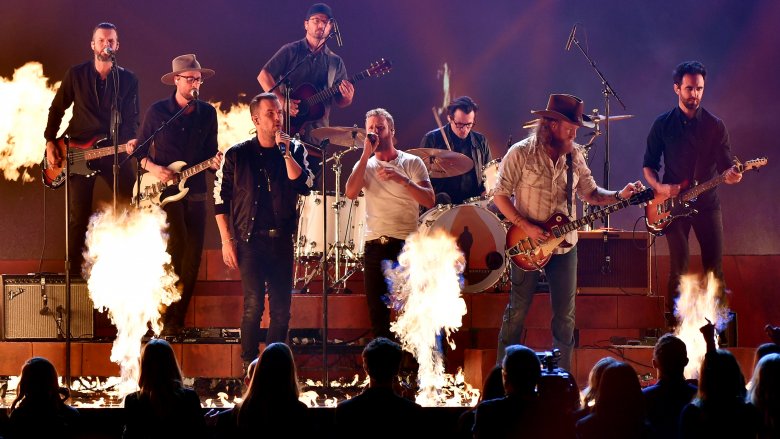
x=262 y=260
x=561 y=274
x=81 y=190
x=708 y=227
x=186 y=226
x=375 y=285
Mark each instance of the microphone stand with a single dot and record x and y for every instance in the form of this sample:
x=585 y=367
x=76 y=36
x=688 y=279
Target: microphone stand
x=607 y=91
x=324 y=268
x=144 y=148
x=67 y=377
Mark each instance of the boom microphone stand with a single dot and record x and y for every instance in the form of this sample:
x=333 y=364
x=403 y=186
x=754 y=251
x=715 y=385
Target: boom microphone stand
x=607 y=91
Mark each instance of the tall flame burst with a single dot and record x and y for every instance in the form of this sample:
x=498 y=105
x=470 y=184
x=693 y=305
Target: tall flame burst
x=699 y=300
x=129 y=273
x=23 y=114
x=426 y=287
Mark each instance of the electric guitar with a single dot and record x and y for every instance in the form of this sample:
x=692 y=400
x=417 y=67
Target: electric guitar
x=78 y=155
x=155 y=192
x=312 y=105
x=531 y=257
x=660 y=212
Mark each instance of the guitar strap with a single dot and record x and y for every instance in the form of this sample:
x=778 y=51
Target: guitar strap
x=331 y=69
x=569 y=181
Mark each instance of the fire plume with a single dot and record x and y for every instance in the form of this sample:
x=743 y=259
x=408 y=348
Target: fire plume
x=129 y=273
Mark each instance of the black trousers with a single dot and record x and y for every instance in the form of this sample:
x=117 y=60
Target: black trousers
x=375 y=285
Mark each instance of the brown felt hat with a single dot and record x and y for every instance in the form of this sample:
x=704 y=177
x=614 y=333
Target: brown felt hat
x=566 y=107
x=185 y=63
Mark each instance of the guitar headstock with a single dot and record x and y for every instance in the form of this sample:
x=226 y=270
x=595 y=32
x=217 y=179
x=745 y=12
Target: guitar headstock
x=751 y=164
x=379 y=68
x=641 y=197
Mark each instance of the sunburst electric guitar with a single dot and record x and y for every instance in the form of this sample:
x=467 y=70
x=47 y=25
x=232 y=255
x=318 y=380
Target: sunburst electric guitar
x=531 y=257
x=78 y=155
x=660 y=212
x=158 y=193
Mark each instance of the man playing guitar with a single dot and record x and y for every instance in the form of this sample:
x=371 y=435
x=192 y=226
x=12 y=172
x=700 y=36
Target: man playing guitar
x=542 y=172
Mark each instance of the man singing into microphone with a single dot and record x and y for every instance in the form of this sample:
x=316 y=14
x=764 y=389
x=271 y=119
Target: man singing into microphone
x=90 y=87
x=321 y=68
x=395 y=184
x=191 y=138
x=255 y=202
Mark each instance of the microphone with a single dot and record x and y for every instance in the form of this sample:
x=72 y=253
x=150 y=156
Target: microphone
x=571 y=37
x=195 y=93
x=372 y=137
x=337 y=32
x=109 y=51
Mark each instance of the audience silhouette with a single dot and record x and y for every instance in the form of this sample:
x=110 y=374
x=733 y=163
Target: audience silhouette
x=666 y=399
x=163 y=407
x=764 y=394
x=590 y=393
x=39 y=409
x=492 y=388
x=270 y=405
x=379 y=412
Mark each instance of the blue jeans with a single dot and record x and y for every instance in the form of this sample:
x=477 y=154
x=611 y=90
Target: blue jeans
x=561 y=274
x=262 y=260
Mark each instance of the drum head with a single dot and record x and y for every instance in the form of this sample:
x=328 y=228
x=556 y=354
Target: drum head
x=481 y=237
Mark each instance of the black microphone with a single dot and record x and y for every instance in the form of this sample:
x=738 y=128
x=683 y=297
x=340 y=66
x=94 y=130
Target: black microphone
x=372 y=137
x=195 y=93
x=109 y=51
x=571 y=37
x=337 y=32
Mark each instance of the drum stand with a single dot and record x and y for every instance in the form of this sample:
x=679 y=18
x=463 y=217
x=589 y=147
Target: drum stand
x=585 y=150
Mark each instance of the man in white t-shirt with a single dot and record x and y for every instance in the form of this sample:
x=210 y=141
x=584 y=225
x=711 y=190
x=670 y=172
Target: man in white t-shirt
x=395 y=184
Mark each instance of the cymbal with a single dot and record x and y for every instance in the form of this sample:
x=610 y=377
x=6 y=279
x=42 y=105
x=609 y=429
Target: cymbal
x=600 y=118
x=442 y=162
x=345 y=137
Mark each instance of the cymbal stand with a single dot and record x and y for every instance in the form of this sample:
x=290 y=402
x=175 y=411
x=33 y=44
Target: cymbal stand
x=585 y=151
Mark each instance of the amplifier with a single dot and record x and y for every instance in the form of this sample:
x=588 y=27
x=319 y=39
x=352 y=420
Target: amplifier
x=34 y=307
x=612 y=262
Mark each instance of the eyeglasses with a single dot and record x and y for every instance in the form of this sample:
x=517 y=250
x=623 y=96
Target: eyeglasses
x=461 y=125
x=317 y=21
x=192 y=79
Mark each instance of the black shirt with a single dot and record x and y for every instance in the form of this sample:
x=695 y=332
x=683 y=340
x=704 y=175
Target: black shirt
x=191 y=138
x=693 y=150
x=91 y=108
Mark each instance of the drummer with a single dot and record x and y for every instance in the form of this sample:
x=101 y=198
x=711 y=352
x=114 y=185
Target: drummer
x=458 y=136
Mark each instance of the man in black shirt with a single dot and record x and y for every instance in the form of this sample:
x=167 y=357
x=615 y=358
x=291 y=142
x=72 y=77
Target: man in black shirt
x=322 y=69
x=460 y=136
x=90 y=87
x=191 y=138
x=255 y=198
x=695 y=146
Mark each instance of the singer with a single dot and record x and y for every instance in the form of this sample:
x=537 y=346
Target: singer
x=255 y=204
x=542 y=172
x=90 y=87
x=191 y=138
x=395 y=184
x=321 y=67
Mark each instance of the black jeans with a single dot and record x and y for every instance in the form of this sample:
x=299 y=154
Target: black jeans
x=708 y=227
x=186 y=226
x=265 y=259
x=375 y=285
x=81 y=190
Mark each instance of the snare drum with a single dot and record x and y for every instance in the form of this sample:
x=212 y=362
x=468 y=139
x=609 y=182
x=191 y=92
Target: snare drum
x=309 y=242
x=490 y=176
x=481 y=236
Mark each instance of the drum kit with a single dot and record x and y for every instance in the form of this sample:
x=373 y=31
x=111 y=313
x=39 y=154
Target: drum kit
x=476 y=224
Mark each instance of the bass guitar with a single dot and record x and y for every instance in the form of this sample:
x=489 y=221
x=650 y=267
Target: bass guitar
x=312 y=102
x=158 y=193
x=78 y=155
x=660 y=212
x=531 y=257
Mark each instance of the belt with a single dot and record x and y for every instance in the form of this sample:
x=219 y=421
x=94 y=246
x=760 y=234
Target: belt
x=383 y=240
x=271 y=233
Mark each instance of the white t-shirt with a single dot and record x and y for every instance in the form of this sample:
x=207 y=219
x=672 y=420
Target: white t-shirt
x=390 y=209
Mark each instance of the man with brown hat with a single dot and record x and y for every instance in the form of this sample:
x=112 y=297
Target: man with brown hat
x=190 y=138
x=536 y=171
x=321 y=67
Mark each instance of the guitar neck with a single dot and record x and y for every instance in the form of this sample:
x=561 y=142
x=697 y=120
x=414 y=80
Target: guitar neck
x=701 y=188
x=587 y=219
x=200 y=167
x=102 y=152
x=328 y=93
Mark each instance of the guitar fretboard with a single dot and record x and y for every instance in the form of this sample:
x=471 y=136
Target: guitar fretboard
x=330 y=92
x=102 y=152
x=601 y=213
x=701 y=188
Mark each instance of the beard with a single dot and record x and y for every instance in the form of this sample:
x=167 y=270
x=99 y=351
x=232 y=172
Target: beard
x=102 y=56
x=562 y=146
x=691 y=104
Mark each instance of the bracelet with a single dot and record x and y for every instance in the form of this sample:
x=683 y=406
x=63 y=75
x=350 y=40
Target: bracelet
x=287 y=157
x=228 y=240
x=618 y=197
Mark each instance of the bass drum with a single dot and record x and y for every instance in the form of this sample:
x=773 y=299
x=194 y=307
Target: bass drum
x=481 y=237
x=309 y=240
